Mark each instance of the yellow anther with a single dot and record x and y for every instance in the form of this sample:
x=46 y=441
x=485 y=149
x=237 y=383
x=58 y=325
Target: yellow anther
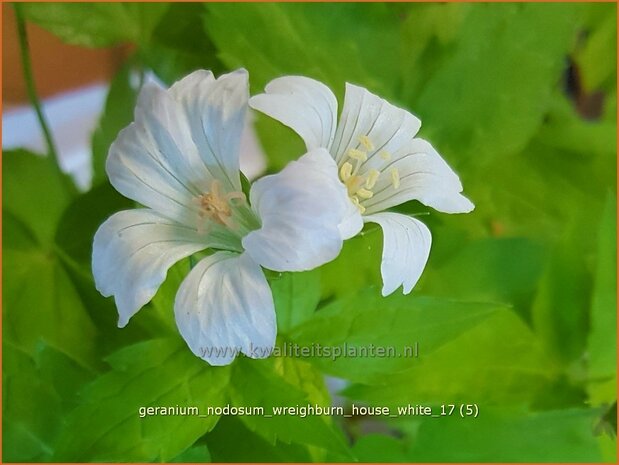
x=385 y=155
x=356 y=154
x=370 y=182
x=366 y=142
x=360 y=207
x=364 y=193
x=345 y=171
x=395 y=178
x=216 y=207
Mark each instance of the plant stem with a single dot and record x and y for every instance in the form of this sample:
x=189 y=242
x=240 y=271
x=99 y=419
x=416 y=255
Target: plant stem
x=34 y=98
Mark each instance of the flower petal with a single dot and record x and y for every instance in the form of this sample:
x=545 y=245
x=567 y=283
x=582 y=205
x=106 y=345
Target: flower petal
x=303 y=104
x=132 y=253
x=154 y=161
x=423 y=176
x=225 y=306
x=216 y=110
x=371 y=124
x=301 y=209
x=182 y=139
x=352 y=222
x=406 y=247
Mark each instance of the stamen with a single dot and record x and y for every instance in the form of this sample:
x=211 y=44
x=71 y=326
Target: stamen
x=395 y=178
x=356 y=154
x=360 y=207
x=217 y=208
x=385 y=155
x=370 y=182
x=364 y=193
x=366 y=142
x=346 y=171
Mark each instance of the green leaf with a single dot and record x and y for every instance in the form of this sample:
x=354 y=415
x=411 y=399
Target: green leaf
x=561 y=307
x=502 y=363
x=281 y=144
x=180 y=45
x=373 y=448
x=296 y=297
x=33 y=193
x=602 y=341
x=42 y=389
x=427 y=33
x=196 y=454
x=156 y=373
x=118 y=113
x=97 y=24
x=82 y=218
x=389 y=324
x=41 y=304
x=276 y=391
x=30 y=419
x=566 y=130
x=356 y=267
x=492 y=269
x=597 y=58
x=334 y=43
x=479 y=104
x=554 y=436
x=225 y=446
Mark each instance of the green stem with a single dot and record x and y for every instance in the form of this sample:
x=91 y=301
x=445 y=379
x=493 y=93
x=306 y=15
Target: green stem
x=33 y=96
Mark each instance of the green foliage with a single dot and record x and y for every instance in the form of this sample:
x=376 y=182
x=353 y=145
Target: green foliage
x=598 y=56
x=396 y=321
x=225 y=445
x=553 y=436
x=503 y=365
x=39 y=299
x=97 y=24
x=505 y=270
x=275 y=39
x=602 y=337
x=277 y=391
x=180 y=44
x=37 y=208
x=500 y=104
x=117 y=114
x=296 y=296
x=41 y=388
x=156 y=373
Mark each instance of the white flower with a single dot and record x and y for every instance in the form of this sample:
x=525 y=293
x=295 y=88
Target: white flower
x=180 y=159
x=380 y=162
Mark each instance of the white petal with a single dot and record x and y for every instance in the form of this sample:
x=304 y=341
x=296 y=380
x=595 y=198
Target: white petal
x=424 y=176
x=303 y=104
x=154 y=161
x=386 y=126
x=352 y=222
x=132 y=253
x=216 y=110
x=223 y=307
x=300 y=208
x=182 y=139
x=406 y=247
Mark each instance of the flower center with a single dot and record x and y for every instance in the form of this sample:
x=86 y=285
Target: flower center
x=360 y=186
x=217 y=207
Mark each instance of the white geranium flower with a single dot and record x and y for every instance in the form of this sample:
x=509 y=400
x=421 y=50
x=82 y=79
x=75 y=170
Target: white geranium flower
x=379 y=160
x=180 y=159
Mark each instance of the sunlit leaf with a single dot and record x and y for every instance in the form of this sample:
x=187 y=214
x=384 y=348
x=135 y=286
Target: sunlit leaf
x=97 y=24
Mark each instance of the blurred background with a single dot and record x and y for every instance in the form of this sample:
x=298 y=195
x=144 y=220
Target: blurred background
x=71 y=80
x=515 y=312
